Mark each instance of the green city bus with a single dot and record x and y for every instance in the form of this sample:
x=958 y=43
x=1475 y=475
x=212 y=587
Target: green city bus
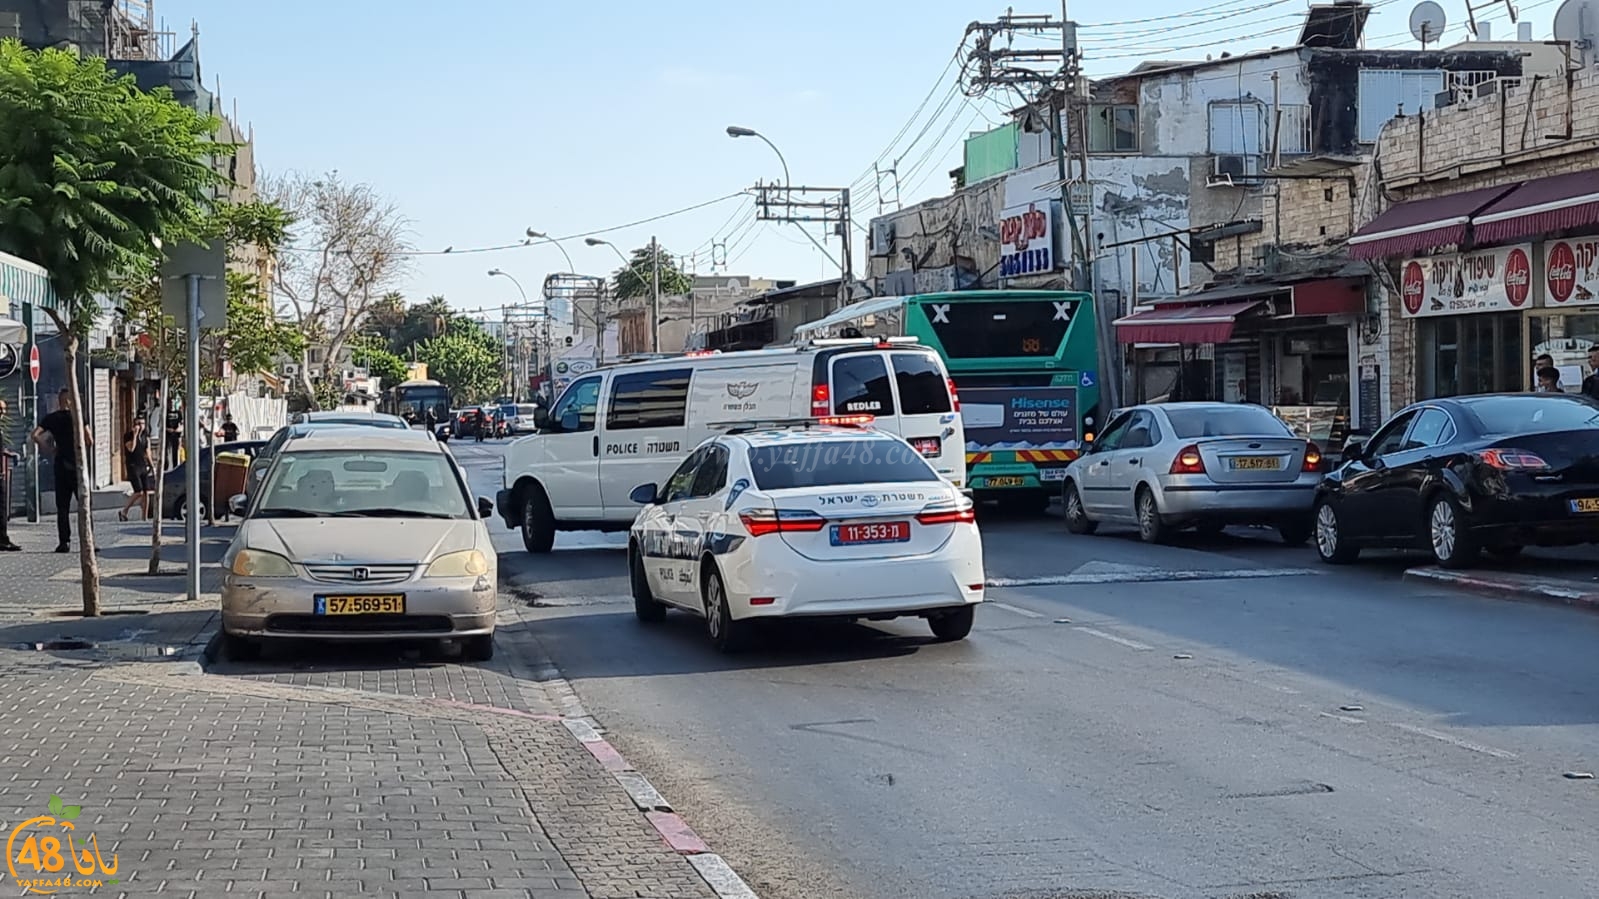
x=1025 y=363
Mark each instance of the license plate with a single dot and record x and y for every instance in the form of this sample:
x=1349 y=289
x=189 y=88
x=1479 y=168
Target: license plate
x=1004 y=482
x=1255 y=463
x=1585 y=505
x=383 y=604
x=882 y=532
x=931 y=447
x=1052 y=474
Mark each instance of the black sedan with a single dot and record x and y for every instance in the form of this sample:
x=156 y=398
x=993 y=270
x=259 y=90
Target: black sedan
x=175 y=484
x=1466 y=475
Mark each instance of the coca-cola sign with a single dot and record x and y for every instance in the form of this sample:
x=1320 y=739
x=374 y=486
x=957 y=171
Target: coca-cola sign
x=1027 y=240
x=1497 y=279
x=1571 y=271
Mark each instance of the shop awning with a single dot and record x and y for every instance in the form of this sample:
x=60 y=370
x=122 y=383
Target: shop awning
x=1184 y=324
x=1535 y=207
x=1418 y=225
x=1330 y=296
x=22 y=281
x=852 y=311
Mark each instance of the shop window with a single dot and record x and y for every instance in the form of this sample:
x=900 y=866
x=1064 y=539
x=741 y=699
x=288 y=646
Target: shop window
x=1466 y=354
x=1112 y=129
x=1566 y=339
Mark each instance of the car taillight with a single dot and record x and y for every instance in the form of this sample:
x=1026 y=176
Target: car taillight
x=954 y=396
x=760 y=522
x=947 y=516
x=821 y=401
x=1512 y=460
x=1188 y=461
x=1312 y=457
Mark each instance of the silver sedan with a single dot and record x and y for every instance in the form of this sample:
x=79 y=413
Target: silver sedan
x=1165 y=466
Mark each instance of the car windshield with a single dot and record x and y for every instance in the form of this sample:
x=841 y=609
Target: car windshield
x=1225 y=421
x=833 y=463
x=363 y=484
x=1533 y=414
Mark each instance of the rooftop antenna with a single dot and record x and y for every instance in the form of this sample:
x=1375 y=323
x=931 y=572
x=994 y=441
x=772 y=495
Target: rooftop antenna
x=1427 y=22
x=1576 y=23
x=1473 y=9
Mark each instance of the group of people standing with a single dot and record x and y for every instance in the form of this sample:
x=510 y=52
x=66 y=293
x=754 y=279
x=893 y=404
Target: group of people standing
x=1548 y=377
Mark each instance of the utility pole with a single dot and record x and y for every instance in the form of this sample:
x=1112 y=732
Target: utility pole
x=827 y=205
x=655 y=296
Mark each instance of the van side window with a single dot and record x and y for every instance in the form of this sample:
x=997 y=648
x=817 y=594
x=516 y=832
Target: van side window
x=650 y=399
x=578 y=407
x=923 y=389
x=860 y=386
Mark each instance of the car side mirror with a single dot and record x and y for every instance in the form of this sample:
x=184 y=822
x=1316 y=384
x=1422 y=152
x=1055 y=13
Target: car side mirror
x=644 y=494
x=238 y=503
x=1354 y=450
x=485 y=507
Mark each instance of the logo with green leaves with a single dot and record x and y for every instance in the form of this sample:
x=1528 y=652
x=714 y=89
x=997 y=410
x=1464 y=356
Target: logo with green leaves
x=39 y=851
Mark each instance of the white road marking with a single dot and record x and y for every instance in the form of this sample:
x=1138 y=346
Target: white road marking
x=1025 y=613
x=1151 y=575
x=1344 y=718
x=1131 y=644
x=1456 y=741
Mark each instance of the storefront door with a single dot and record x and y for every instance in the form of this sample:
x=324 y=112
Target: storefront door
x=1465 y=354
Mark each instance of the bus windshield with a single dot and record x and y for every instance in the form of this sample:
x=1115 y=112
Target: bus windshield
x=999 y=329
x=413 y=403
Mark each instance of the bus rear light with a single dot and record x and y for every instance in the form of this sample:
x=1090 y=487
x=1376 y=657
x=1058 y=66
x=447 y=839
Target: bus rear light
x=1188 y=461
x=821 y=401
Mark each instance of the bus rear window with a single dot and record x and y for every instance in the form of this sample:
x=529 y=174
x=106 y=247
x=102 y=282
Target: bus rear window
x=923 y=389
x=1010 y=329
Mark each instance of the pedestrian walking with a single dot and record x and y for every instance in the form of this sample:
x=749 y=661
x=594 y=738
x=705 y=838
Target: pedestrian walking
x=230 y=431
x=140 y=468
x=174 y=437
x=7 y=465
x=56 y=435
x=1590 y=384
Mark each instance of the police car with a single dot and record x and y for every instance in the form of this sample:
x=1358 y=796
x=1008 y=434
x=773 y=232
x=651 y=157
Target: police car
x=798 y=518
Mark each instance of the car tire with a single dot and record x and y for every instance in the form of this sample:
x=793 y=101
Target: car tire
x=1295 y=533
x=183 y=510
x=1077 y=520
x=1329 y=533
x=727 y=635
x=951 y=626
x=478 y=648
x=1150 y=528
x=648 y=609
x=538 y=522
x=239 y=648
x=1449 y=533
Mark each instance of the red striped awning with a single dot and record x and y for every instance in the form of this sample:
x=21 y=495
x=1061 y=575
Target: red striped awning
x=1556 y=203
x=1410 y=228
x=1187 y=325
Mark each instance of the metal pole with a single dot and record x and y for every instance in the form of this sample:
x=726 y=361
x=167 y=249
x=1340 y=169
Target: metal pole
x=31 y=409
x=655 y=294
x=191 y=427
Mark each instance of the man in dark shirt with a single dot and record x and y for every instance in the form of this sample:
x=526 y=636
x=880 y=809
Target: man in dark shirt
x=138 y=465
x=174 y=437
x=1590 y=384
x=7 y=464
x=56 y=435
x=230 y=431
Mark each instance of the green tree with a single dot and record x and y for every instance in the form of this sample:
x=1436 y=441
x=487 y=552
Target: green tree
x=92 y=169
x=636 y=279
x=372 y=354
x=464 y=363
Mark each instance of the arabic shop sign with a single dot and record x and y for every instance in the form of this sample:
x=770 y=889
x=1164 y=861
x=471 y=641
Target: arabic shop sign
x=1498 y=279
x=1027 y=241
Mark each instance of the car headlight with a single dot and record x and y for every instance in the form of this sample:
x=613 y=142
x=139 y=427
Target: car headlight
x=259 y=563
x=470 y=563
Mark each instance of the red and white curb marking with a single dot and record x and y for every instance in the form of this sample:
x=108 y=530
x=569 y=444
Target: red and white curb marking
x=1516 y=587
x=716 y=872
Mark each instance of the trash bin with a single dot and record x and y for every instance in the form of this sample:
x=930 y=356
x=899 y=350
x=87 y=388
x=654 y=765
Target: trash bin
x=228 y=478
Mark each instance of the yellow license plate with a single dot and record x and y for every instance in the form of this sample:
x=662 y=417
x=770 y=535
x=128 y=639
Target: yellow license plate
x=1005 y=482
x=1255 y=463
x=1585 y=505
x=384 y=604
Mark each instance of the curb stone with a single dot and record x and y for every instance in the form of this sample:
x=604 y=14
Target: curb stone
x=1509 y=586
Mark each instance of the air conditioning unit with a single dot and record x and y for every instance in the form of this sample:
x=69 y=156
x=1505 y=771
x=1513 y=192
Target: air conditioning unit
x=1234 y=170
x=882 y=242
x=290 y=369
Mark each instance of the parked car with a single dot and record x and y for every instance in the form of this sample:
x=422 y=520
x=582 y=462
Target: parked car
x=314 y=421
x=798 y=521
x=1460 y=476
x=1165 y=466
x=175 y=483
x=525 y=420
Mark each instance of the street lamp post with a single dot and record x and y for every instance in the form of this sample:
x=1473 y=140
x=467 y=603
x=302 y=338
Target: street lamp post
x=655 y=284
x=737 y=131
x=540 y=235
x=548 y=349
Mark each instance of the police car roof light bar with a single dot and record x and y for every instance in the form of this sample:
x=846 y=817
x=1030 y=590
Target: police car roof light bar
x=858 y=341
x=780 y=424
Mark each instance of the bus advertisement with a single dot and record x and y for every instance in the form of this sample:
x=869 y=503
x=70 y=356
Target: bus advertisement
x=1025 y=363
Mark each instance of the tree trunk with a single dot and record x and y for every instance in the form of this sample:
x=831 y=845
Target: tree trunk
x=159 y=500
x=305 y=381
x=88 y=564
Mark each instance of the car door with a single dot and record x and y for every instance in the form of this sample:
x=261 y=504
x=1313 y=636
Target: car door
x=1098 y=487
x=667 y=552
x=1361 y=513
x=699 y=514
x=569 y=465
x=1409 y=470
x=1129 y=457
x=644 y=434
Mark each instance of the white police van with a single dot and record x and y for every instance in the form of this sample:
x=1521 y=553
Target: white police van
x=633 y=423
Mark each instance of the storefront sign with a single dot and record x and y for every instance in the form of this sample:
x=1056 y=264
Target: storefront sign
x=1027 y=240
x=1498 y=279
x=1571 y=271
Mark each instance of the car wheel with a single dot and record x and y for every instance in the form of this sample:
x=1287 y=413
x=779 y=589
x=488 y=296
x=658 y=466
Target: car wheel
x=951 y=626
x=1150 y=528
x=1077 y=520
x=538 y=522
x=648 y=609
x=1294 y=533
x=478 y=648
x=1449 y=534
x=183 y=510
x=240 y=648
x=1330 y=543
x=727 y=635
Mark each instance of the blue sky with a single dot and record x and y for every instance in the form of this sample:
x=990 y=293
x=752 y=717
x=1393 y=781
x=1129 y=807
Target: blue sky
x=483 y=118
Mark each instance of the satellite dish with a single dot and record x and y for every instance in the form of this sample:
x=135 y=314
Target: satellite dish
x=1427 y=22
x=1577 y=21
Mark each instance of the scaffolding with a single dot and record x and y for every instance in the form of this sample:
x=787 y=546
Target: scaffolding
x=118 y=29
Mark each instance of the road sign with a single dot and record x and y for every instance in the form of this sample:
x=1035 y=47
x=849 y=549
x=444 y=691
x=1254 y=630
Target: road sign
x=33 y=363
x=210 y=262
x=1081 y=196
x=1087 y=380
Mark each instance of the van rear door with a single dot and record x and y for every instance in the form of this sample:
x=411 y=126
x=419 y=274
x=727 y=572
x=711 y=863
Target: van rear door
x=909 y=393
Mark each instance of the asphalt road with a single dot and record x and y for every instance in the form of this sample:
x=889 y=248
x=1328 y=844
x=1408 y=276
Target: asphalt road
x=1219 y=718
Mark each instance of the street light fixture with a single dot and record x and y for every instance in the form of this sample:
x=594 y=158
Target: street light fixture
x=505 y=317
x=540 y=235
x=655 y=283
x=736 y=131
